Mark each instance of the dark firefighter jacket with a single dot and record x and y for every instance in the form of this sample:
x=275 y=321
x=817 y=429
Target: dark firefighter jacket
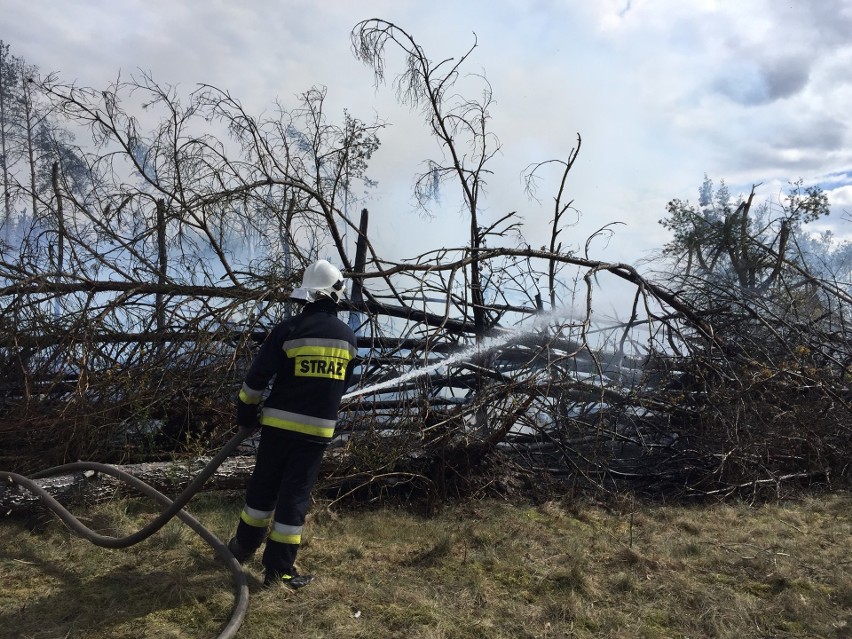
x=311 y=357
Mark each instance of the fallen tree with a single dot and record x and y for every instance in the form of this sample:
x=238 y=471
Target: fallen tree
x=131 y=347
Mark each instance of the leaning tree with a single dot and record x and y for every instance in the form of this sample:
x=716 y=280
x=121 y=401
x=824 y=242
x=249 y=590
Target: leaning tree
x=131 y=310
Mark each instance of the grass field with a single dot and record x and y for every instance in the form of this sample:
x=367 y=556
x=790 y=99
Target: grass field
x=490 y=569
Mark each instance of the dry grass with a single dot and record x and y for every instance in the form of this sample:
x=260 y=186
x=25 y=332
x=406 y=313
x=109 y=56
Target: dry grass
x=484 y=569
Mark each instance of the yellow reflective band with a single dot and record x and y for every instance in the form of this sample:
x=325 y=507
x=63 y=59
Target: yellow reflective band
x=250 y=396
x=316 y=350
x=286 y=424
x=284 y=534
x=244 y=398
x=319 y=346
x=256 y=518
x=285 y=539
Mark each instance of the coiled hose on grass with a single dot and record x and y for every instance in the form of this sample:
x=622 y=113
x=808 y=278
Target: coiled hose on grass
x=173 y=509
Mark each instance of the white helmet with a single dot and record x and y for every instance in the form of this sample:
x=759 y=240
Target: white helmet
x=320 y=279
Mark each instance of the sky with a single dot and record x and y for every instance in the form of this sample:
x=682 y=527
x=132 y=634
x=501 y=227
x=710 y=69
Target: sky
x=663 y=92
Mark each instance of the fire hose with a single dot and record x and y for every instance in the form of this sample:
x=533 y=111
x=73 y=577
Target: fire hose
x=172 y=509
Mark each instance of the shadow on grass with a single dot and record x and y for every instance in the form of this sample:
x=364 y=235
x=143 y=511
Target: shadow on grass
x=133 y=597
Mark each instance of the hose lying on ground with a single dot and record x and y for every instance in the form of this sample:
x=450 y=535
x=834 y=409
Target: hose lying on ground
x=173 y=509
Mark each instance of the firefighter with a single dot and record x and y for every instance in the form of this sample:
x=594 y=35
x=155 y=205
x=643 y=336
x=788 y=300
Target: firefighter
x=311 y=357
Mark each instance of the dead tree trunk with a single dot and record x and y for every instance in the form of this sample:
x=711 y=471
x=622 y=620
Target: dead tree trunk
x=87 y=488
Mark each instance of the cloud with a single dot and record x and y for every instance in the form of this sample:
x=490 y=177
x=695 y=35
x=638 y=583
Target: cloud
x=841 y=199
x=750 y=83
x=662 y=91
x=817 y=133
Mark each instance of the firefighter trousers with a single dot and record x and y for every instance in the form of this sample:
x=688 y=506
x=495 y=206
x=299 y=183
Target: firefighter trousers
x=278 y=493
